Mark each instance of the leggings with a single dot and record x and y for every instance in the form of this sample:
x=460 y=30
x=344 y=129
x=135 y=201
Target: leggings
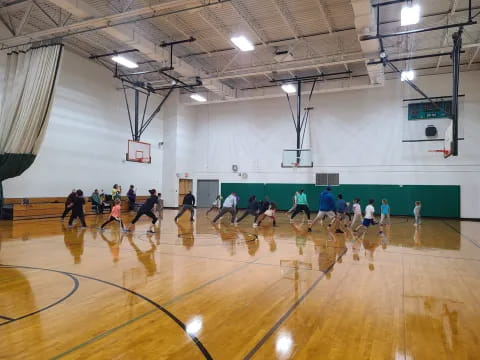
x=248 y=212
x=66 y=211
x=299 y=209
x=112 y=219
x=81 y=216
x=223 y=211
x=149 y=213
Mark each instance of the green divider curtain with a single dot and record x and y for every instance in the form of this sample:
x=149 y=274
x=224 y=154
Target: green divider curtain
x=30 y=78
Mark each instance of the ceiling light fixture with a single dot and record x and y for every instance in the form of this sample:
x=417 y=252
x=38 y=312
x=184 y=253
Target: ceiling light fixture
x=410 y=15
x=242 y=43
x=289 y=88
x=124 y=61
x=198 y=97
x=407 y=75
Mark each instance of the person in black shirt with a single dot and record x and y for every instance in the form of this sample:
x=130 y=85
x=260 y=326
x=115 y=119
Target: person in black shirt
x=252 y=209
x=77 y=209
x=188 y=204
x=68 y=204
x=147 y=209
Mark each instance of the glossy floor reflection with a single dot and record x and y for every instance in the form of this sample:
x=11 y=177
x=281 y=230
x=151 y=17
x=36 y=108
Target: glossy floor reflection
x=195 y=291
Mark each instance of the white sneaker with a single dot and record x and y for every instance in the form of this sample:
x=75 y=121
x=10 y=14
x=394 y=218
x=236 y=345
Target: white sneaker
x=255 y=225
x=291 y=221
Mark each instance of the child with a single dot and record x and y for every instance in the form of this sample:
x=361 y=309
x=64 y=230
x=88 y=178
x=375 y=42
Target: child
x=369 y=218
x=357 y=212
x=417 y=213
x=146 y=209
x=132 y=197
x=384 y=214
x=114 y=215
x=270 y=212
x=217 y=204
x=77 y=209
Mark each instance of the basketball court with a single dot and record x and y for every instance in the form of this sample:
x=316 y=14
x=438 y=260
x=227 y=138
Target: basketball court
x=134 y=112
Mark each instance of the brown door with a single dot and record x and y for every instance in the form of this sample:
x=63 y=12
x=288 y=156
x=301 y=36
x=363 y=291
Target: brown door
x=184 y=186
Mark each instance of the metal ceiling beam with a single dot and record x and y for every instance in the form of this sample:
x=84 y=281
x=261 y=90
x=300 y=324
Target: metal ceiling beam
x=453 y=8
x=24 y=19
x=474 y=55
x=131 y=36
x=102 y=22
x=189 y=31
x=245 y=15
x=7 y=22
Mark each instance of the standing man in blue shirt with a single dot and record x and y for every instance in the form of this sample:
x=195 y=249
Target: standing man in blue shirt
x=327 y=207
x=341 y=210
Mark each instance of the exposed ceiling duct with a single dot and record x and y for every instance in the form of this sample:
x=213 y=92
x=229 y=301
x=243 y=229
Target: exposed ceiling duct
x=365 y=25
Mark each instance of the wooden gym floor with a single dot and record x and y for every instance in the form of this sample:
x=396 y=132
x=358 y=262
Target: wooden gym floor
x=199 y=292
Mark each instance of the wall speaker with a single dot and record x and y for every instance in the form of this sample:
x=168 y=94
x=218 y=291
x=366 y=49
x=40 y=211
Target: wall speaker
x=431 y=131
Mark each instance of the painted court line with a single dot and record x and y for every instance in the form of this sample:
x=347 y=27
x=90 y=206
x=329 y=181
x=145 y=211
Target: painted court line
x=173 y=300
x=291 y=310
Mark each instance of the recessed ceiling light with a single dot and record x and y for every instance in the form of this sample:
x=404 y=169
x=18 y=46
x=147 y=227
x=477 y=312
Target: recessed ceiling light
x=124 y=61
x=289 y=88
x=242 y=43
x=407 y=75
x=198 y=97
x=410 y=15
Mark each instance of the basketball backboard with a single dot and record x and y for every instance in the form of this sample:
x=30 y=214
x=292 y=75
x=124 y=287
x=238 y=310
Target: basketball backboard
x=138 y=152
x=295 y=158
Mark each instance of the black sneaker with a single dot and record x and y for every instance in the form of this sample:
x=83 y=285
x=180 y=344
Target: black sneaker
x=309 y=229
x=338 y=231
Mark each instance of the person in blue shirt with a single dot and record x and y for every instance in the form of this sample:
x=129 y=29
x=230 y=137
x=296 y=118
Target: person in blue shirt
x=384 y=214
x=327 y=207
x=340 y=217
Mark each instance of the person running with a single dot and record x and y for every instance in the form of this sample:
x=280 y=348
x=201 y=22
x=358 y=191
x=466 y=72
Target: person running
x=270 y=213
x=69 y=203
x=369 y=218
x=216 y=205
x=229 y=206
x=114 y=215
x=357 y=212
x=188 y=204
x=252 y=209
x=132 y=197
x=97 y=202
x=147 y=209
x=301 y=205
x=417 y=212
x=327 y=207
x=77 y=209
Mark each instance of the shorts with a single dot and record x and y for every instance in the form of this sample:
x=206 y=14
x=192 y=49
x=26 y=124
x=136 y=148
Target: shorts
x=367 y=222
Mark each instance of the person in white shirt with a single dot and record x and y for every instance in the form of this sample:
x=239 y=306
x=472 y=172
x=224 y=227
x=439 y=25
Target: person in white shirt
x=369 y=218
x=229 y=206
x=357 y=212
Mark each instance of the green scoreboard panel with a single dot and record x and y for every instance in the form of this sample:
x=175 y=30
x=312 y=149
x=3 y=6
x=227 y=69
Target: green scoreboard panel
x=426 y=110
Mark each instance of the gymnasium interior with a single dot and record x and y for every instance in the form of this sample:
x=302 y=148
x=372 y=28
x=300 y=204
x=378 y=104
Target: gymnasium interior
x=248 y=105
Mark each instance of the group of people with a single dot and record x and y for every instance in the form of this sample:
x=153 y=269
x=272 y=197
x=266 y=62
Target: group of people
x=341 y=215
x=152 y=207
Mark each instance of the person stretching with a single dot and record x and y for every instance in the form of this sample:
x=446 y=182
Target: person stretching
x=146 y=209
x=301 y=204
x=327 y=207
x=188 y=204
x=229 y=206
x=114 y=215
x=252 y=209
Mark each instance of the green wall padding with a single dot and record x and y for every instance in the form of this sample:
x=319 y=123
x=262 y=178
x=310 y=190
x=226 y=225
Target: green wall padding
x=437 y=200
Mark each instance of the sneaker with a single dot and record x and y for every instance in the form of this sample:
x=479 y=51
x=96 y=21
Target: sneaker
x=101 y=229
x=291 y=221
x=70 y=226
x=150 y=232
x=338 y=231
x=309 y=229
x=83 y=227
x=255 y=225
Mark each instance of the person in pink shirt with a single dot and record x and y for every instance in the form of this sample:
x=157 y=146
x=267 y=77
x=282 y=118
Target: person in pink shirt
x=114 y=215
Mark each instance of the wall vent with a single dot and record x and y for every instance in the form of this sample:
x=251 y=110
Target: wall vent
x=327 y=179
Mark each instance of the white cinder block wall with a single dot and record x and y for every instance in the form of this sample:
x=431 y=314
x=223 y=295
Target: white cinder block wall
x=86 y=139
x=356 y=133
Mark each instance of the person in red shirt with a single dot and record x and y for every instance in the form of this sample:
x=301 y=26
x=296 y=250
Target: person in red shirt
x=115 y=215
